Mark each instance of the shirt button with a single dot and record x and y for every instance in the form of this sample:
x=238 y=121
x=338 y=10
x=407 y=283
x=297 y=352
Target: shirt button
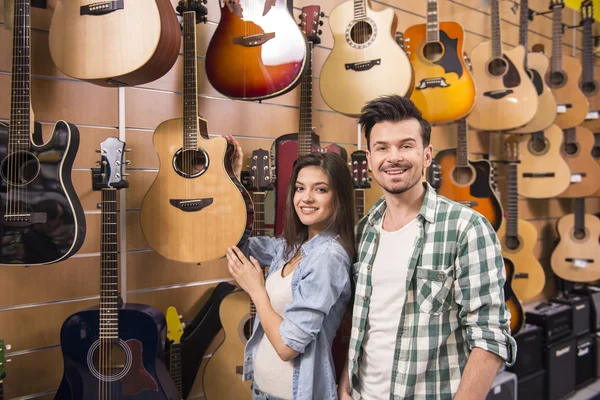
x=360 y=329
x=365 y=298
x=354 y=360
x=368 y=267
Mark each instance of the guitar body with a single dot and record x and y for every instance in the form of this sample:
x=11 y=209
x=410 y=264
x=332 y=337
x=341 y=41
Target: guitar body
x=56 y=227
x=475 y=191
x=194 y=219
x=517 y=318
x=530 y=279
x=223 y=374
x=135 y=44
x=568 y=93
x=579 y=158
x=596 y=154
x=511 y=93
x=543 y=173
x=141 y=335
x=444 y=90
x=353 y=76
x=249 y=71
x=286 y=154
x=545 y=115
x=572 y=247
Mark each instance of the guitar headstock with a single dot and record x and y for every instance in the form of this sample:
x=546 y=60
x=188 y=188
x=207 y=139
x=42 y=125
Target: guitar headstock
x=259 y=179
x=434 y=174
x=195 y=6
x=111 y=173
x=399 y=37
x=3 y=359
x=360 y=170
x=174 y=325
x=311 y=20
x=557 y=3
x=587 y=11
x=511 y=149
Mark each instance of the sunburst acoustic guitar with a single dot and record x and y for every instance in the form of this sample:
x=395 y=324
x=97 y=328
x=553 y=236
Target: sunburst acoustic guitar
x=563 y=77
x=444 y=90
x=195 y=207
x=365 y=61
x=577 y=152
x=503 y=87
x=576 y=257
x=517 y=316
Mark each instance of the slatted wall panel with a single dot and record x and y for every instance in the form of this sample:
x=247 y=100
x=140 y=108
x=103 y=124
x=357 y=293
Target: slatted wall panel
x=35 y=301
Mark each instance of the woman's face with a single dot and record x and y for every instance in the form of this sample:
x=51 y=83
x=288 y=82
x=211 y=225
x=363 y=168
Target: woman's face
x=313 y=198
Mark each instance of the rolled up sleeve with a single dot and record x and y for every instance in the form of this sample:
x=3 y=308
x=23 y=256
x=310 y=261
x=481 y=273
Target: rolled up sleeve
x=479 y=291
x=263 y=248
x=325 y=278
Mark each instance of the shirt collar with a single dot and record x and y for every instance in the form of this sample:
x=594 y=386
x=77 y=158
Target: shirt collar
x=427 y=212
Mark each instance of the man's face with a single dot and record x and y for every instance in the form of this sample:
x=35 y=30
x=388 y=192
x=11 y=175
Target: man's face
x=397 y=156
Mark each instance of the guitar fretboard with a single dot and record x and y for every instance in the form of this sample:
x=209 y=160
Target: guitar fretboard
x=175 y=367
x=580 y=214
x=433 y=26
x=258 y=227
x=359 y=202
x=556 y=63
x=462 y=151
x=190 y=91
x=496 y=34
x=513 y=202
x=305 y=132
x=588 y=53
x=360 y=9
x=21 y=81
x=524 y=28
x=109 y=268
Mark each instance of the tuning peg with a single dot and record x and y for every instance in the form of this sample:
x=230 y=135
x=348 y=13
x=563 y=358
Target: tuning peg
x=98 y=151
x=320 y=32
x=183 y=325
x=322 y=14
x=8 y=347
x=127 y=162
x=321 y=23
x=301 y=16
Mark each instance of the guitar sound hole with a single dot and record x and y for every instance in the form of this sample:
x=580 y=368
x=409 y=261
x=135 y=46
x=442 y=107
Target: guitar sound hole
x=20 y=168
x=190 y=163
x=538 y=145
x=557 y=79
x=596 y=152
x=512 y=242
x=462 y=175
x=110 y=359
x=248 y=328
x=433 y=51
x=497 y=67
x=361 y=32
x=579 y=234
x=571 y=149
x=589 y=88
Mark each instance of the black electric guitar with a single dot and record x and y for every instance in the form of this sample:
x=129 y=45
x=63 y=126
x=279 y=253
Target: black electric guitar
x=116 y=351
x=41 y=218
x=3 y=361
x=174 y=334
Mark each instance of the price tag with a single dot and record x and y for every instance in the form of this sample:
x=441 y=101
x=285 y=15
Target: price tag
x=579 y=263
x=575 y=178
x=592 y=115
x=561 y=108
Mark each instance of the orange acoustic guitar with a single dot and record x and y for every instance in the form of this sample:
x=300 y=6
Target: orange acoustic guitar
x=589 y=85
x=517 y=317
x=576 y=258
x=518 y=237
x=577 y=152
x=257 y=51
x=444 y=90
x=563 y=77
x=506 y=98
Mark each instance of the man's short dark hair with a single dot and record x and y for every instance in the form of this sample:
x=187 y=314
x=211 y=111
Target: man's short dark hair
x=392 y=108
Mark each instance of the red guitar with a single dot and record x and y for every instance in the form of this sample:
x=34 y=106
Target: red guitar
x=288 y=148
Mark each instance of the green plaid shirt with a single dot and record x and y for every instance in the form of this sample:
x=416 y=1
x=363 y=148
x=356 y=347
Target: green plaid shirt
x=454 y=299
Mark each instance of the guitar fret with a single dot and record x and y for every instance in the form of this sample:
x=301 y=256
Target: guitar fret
x=496 y=34
x=556 y=62
x=462 y=151
x=190 y=90
x=587 y=54
x=513 y=204
x=433 y=27
x=360 y=9
x=305 y=132
x=524 y=28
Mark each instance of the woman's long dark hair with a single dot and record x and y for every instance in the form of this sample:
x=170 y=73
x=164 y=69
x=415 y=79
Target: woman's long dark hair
x=342 y=220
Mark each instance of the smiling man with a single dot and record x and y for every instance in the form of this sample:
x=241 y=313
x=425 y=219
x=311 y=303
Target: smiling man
x=429 y=318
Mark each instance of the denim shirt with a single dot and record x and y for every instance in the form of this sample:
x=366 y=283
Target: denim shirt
x=320 y=291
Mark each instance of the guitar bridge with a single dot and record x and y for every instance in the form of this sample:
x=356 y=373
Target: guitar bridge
x=498 y=94
x=430 y=83
x=363 y=65
x=101 y=8
x=254 y=40
x=23 y=220
x=538 y=175
x=191 y=205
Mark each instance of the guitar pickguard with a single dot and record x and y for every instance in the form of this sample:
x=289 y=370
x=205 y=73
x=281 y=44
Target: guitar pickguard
x=450 y=60
x=511 y=79
x=537 y=81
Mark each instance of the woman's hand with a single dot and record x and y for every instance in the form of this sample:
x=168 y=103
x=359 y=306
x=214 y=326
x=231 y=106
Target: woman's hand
x=238 y=157
x=247 y=273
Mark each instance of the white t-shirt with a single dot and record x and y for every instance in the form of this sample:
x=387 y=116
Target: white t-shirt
x=388 y=279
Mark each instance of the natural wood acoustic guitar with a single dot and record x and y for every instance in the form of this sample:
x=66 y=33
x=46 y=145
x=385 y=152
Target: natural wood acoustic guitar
x=576 y=257
x=195 y=208
x=503 y=87
x=114 y=42
x=585 y=171
x=589 y=85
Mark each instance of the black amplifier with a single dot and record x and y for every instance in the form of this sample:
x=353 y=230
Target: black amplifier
x=556 y=320
x=580 y=307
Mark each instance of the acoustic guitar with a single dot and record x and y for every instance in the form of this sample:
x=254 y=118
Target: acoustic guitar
x=174 y=334
x=444 y=90
x=3 y=361
x=588 y=84
x=41 y=218
x=596 y=154
x=518 y=237
x=222 y=377
x=256 y=52
x=288 y=148
x=536 y=66
x=517 y=316
x=195 y=207
x=576 y=257
x=365 y=61
x=503 y=87
x=468 y=182
x=563 y=77
x=114 y=42
x=585 y=171
x=543 y=173
x=114 y=352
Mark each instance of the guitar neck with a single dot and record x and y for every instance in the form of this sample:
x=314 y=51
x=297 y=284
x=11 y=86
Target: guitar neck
x=524 y=28
x=190 y=90
x=588 y=50
x=359 y=202
x=513 y=203
x=258 y=227
x=175 y=367
x=496 y=34
x=462 y=151
x=20 y=123
x=305 y=132
x=580 y=214
x=433 y=25
x=109 y=268
x=556 y=64
x=360 y=9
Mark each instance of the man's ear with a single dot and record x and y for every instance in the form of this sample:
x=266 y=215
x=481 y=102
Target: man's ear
x=428 y=156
